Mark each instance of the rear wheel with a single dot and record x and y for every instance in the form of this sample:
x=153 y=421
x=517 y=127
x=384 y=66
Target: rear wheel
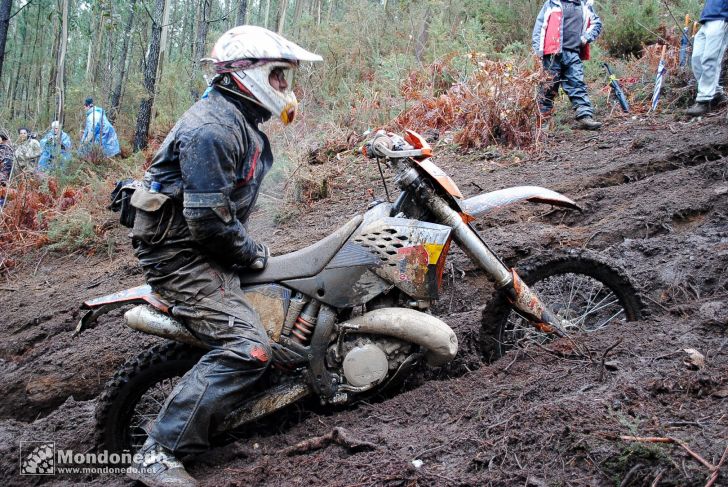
x=136 y=393
x=587 y=292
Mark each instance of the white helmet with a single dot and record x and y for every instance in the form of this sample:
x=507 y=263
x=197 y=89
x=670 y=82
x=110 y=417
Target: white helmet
x=247 y=55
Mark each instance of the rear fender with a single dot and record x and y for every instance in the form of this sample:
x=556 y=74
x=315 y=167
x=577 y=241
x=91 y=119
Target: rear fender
x=99 y=306
x=487 y=202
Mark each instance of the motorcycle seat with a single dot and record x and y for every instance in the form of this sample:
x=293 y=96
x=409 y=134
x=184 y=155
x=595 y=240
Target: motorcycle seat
x=305 y=262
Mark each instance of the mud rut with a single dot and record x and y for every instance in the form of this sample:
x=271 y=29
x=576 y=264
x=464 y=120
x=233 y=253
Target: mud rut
x=655 y=198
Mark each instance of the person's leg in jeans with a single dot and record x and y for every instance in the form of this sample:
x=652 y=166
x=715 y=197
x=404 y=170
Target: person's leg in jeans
x=574 y=86
x=708 y=50
x=550 y=88
x=697 y=56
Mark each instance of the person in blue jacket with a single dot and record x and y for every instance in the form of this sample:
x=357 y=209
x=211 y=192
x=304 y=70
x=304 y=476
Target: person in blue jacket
x=56 y=145
x=708 y=50
x=98 y=130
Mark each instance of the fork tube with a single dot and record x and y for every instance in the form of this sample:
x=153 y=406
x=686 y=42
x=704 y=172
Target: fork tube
x=523 y=299
x=465 y=236
x=471 y=242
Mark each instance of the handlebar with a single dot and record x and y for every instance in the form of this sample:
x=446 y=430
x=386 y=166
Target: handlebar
x=390 y=146
x=380 y=146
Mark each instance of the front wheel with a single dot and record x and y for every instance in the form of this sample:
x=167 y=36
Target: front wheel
x=586 y=292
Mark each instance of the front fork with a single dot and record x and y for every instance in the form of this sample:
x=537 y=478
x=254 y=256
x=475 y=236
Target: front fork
x=525 y=301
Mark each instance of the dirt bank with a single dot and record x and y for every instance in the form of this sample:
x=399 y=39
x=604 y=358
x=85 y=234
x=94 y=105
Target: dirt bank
x=655 y=199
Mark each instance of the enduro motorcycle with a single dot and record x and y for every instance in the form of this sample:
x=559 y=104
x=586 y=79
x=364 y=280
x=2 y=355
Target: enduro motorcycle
x=348 y=316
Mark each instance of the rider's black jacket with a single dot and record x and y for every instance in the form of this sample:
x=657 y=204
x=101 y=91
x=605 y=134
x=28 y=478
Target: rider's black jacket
x=211 y=166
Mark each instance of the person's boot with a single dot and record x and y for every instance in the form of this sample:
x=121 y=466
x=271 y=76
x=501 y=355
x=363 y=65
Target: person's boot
x=157 y=467
x=719 y=100
x=588 y=123
x=699 y=109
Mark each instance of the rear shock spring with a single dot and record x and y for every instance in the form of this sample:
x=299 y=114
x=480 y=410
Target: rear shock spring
x=306 y=322
x=302 y=330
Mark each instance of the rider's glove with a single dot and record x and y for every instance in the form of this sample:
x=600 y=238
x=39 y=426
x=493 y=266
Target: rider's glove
x=261 y=258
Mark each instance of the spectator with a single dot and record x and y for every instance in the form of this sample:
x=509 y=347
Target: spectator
x=56 y=146
x=98 y=130
x=27 y=152
x=561 y=37
x=7 y=155
x=708 y=49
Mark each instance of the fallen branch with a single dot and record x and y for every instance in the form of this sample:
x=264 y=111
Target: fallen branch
x=340 y=436
x=716 y=472
x=667 y=439
x=604 y=357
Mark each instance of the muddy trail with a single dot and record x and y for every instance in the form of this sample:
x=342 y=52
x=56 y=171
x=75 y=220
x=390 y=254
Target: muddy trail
x=655 y=200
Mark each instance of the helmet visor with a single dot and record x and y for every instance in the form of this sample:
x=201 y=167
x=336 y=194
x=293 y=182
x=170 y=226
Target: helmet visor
x=281 y=76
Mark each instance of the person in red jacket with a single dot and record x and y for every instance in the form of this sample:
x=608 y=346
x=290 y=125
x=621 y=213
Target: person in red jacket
x=561 y=37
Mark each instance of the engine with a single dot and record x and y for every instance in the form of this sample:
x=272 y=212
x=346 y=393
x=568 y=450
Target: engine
x=365 y=361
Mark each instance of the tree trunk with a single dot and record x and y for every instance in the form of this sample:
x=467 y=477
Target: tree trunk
x=297 y=17
x=283 y=6
x=193 y=31
x=202 y=26
x=5 y=8
x=242 y=12
x=200 y=41
x=98 y=48
x=267 y=13
x=116 y=94
x=33 y=69
x=422 y=36
x=162 y=50
x=150 y=72
x=61 y=67
x=89 y=56
x=94 y=49
x=187 y=22
x=50 y=94
x=163 y=40
x=13 y=97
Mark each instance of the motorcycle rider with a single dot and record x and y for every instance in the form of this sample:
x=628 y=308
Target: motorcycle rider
x=190 y=237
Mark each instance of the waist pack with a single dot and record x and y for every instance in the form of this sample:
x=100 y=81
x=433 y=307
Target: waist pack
x=121 y=201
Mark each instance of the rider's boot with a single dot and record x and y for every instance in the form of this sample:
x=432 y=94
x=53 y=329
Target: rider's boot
x=155 y=466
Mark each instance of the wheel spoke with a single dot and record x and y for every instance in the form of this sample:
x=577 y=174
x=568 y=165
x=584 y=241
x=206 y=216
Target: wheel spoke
x=609 y=319
x=584 y=303
x=597 y=307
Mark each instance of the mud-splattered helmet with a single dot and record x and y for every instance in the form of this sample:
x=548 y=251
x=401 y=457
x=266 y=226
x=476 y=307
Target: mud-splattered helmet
x=258 y=65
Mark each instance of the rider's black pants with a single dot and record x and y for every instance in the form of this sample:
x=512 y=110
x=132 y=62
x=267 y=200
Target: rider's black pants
x=208 y=300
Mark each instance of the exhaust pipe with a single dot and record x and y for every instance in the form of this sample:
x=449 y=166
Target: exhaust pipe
x=411 y=326
x=406 y=324
x=148 y=320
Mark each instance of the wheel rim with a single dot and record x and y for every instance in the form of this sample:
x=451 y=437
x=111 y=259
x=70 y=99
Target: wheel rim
x=146 y=410
x=584 y=305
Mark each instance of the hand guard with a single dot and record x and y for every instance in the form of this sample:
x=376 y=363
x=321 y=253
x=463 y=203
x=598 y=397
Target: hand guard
x=261 y=259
